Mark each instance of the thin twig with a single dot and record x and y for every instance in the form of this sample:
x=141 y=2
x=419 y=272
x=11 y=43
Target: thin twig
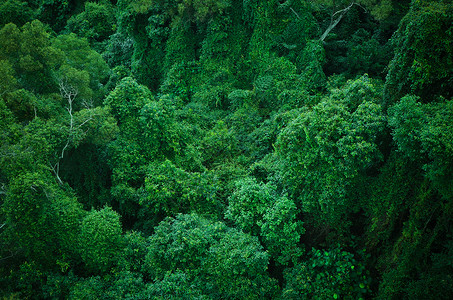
x=297 y=15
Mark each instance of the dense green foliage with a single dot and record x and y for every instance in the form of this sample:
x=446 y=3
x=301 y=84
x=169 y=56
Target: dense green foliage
x=202 y=149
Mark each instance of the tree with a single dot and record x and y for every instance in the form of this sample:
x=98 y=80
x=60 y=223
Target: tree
x=83 y=67
x=218 y=146
x=169 y=190
x=248 y=203
x=219 y=261
x=335 y=18
x=423 y=56
x=100 y=240
x=421 y=132
x=54 y=12
x=327 y=274
x=175 y=285
x=17 y=12
x=9 y=82
x=96 y=22
x=257 y=209
x=164 y=138
x=127 y=151
x=31 y=55
x=281 y=231
x=181 y=243
x=326 y=150
x=43 y=218
x=380 y=9
x=237 y=267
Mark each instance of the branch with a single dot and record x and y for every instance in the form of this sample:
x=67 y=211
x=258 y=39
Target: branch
x=12 y=254
x=297 y=15
x=344 y=10
x=69 y=92
x=56 y=169
x=334 y=21
x=2 y=190
x=13 y=153
x=66 y=90
x=86 y=121
x=5 y=91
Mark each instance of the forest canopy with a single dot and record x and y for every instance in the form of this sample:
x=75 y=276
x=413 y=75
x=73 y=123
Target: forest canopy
x=201 y=149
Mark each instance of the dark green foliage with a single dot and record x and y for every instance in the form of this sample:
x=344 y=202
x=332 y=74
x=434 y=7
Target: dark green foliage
x=300 y=28
x=125 y=102
x=17 y=12
x=281 y=231
x=96 y=22
x=221 y=262
x=423 y=58
x=119 y=50
x=147 y=25
x=83 y=68
x=333 y=274
x=55 y=12
x=87 y=171
x=31 y=55
x=326 y=150
x=100 y=240
x=218 y=146
x=90 y=288
x=175 y=285
x=42 y=65
x=259 y=210
x=126 y=157
x=248 y=204
x=424 y=202
x=390 y=200
x=133 y=255
x=59 y=286
x=164 y=138
x=422 y=133
x=181 y=44
x=181 y=80
x=366 y=54
x=237 y=266
x=171 y=190
x=310 y=62
x=42 y=218
x=181 y=243
x=197 y=149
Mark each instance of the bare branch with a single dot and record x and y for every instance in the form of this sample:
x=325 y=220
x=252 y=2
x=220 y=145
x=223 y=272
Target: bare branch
x=12 y=153
x=5 y=91
x=297 y=15
x=88 y=104
x=12 y=254
x=69 y=92
x=56 y=170
x=344 y=10
x=86 y=121
x=2 y=190
x=336 y=18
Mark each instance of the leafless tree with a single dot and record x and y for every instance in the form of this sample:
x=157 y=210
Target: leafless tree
x=69 y=93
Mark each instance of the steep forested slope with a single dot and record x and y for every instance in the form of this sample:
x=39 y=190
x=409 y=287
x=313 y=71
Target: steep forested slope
x=202 y=149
